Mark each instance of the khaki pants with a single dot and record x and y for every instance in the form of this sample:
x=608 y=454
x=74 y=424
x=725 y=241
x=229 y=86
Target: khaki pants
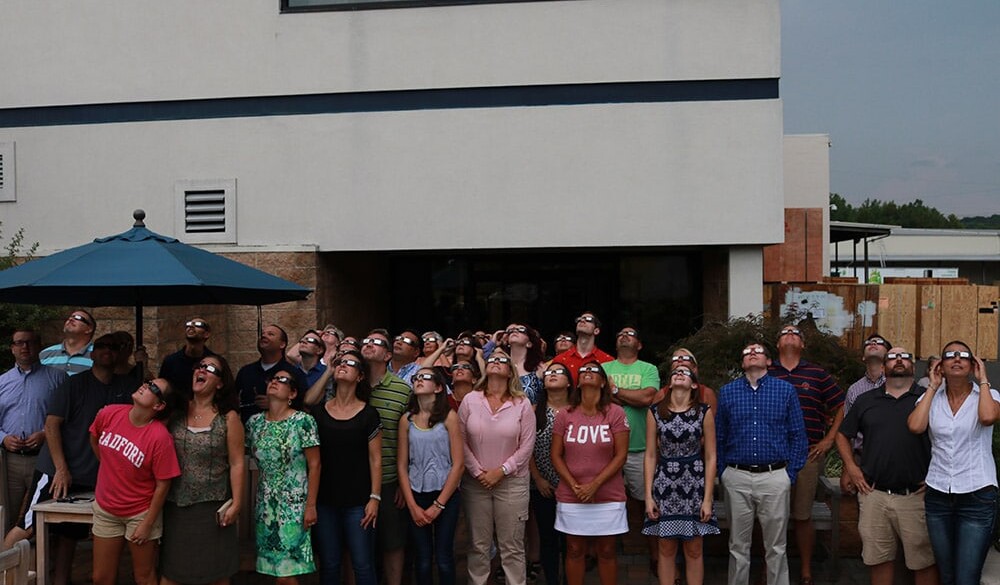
x=504 y=509
x=18 y=471
x=764 y=496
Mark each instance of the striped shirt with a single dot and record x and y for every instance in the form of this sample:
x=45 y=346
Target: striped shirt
x=819 y=395
x=56 y=356
x=864 y=384
x=760 y=427
x=390 y=398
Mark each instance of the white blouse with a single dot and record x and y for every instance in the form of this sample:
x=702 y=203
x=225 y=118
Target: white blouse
x=961 y=448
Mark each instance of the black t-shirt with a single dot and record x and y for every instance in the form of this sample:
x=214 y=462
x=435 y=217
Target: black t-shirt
x=178 y=369
x=892 y=457
x=345 y=476
x=252 y=379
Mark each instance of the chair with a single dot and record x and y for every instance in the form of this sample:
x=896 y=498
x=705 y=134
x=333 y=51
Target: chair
x=14 y=564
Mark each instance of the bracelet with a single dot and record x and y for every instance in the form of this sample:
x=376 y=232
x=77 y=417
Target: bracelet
x=438 y=505
x=374 y=496
x=986 y=383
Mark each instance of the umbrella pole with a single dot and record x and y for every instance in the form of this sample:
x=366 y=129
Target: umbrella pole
x=138 y=339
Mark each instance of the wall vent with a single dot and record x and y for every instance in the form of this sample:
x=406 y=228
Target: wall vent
x=206 y=211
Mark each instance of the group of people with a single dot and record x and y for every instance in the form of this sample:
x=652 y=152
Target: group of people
x=376 y=445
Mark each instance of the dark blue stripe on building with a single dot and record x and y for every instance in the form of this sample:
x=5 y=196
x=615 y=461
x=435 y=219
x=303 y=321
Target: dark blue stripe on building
x=394 y=101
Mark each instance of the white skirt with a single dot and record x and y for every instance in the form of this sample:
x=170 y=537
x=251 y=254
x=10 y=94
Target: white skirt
x=591 y=519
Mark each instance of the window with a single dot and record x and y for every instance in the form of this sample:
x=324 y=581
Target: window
x=206 y=211
x=317 y=5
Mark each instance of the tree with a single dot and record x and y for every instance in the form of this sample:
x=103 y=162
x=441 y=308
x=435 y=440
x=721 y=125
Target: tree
x=980 y=222
x=915 y=214
x=11 y=315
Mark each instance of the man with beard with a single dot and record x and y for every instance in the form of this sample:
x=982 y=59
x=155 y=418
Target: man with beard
x=177 y=367
x=890 y=479
x=252 y=379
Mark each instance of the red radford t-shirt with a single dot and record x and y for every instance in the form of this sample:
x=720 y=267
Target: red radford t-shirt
x=589 y=445
x=132 y=459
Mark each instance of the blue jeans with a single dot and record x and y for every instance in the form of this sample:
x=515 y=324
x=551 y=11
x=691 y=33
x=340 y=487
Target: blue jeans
x=550 y=540
x=335 y=528
x=961 y=529
x=435 y=541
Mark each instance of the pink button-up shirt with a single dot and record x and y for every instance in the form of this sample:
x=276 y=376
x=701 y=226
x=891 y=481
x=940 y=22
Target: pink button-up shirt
x=492 y=440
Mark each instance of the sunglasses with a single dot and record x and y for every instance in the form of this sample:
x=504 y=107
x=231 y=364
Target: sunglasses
x=590 y=369
x=375 y=341
x=753 y=350
x=682 y=372
x=198 y=324
x=465 y=341
x=460 y=367
x=332 y=332
x=210 y=368
x=406 y=340
x=431 y=339
x=516 y=329
x=81 y=318
x=959 y=355
x=682 y=358
x=498 y=360
x=282 y=379
x=564 y=338
x=349 y=362
x=628 y=333
x=899 y=356
x=876 y=341
x=106 y=345
x=415 y=377
x=555 y=373
x=312 y=340
x=352 y=342
x=790 y=331
x=587 y=318
x=152 y=387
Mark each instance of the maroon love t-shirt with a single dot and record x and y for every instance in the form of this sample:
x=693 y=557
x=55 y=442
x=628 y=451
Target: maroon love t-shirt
x=589 y=446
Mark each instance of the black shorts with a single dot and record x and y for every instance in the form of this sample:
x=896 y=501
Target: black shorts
x=39 y=492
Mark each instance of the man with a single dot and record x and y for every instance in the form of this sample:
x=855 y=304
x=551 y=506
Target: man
x=562 y=342
x=821 y=401
x=25 y=391
x=390 y=395
x=406 y=350
x=73 y=354
x=890 y=479
x=761 y=448
x=873 y=357
x=177 y=368
x=588 y=326
x=66 y=464
x=635 y=385
x=311 y=349
x=252 y=379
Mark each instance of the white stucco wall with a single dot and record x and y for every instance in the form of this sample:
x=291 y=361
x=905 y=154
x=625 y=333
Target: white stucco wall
x=807 y=178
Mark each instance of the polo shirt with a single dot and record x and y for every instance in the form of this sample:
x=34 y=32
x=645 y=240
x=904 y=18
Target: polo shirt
x=24 y=398
x=57 y=357
x=313 y=374
x=634 y=376
x=252 y=380
x=818 y=395
x=390 y=397
x=572 y=359
x=760 y=426
x=893 y=457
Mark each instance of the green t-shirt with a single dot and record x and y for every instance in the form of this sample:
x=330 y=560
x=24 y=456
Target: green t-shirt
x=634 y=377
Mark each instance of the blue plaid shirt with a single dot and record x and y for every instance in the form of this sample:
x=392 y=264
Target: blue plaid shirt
x=762 y=426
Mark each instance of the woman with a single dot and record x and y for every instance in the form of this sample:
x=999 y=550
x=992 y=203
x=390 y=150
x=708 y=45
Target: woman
x=498 y=430
x=524 y=346
x=200 y=545
x=430 y=468
x=680 y=476
x=682 y=357
x=552 y=399
x=285 y=444
x=137 y=464
x=958 y=409
x=431 y=342
x=350 y=436
x=589 y=446
x=464 y=376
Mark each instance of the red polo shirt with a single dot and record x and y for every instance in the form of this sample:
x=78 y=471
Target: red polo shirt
x=572 y=359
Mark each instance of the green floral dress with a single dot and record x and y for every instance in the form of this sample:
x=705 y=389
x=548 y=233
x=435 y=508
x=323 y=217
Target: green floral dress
x=283 y=545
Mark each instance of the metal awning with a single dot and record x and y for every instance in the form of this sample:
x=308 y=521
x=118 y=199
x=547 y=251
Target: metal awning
x=844 y=231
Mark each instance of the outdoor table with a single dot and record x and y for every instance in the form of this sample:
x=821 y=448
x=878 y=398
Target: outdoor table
x=56 y=512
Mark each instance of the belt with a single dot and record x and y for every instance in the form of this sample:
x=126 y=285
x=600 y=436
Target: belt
x=25 y=452
x=760 y=468
x=901 y=491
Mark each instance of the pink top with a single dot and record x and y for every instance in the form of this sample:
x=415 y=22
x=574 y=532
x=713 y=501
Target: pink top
x=588 y=447
x=132 y=460
x=492 y=440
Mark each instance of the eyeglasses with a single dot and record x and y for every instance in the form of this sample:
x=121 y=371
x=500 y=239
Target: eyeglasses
x=790 y=331
x=753 y=350
x=628 y=332
x=106 y=345
x=899 y=356
x=682 y=358
x=375 y=341
x=959 y=355
x=587 y=318
x=81 y=318
x=210 y=368
x=590 y=369
x=682 y=372
x=282 y=379
x=151 y=385
x=548 y=373
x=516 y=329
x=457 y=367
x=406 y=340
x=563 y=338
x=349 y=362
x=415 y=377
x=313 y=340
x=876 y=341
x=198 y=324
x=22 y=342
x=498 y=360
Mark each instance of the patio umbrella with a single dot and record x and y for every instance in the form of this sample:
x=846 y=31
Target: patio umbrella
x=142 y=268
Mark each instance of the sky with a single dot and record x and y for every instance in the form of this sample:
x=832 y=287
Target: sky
x=909 y=93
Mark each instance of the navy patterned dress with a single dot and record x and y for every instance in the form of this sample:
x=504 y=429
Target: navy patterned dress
x=679 y=482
